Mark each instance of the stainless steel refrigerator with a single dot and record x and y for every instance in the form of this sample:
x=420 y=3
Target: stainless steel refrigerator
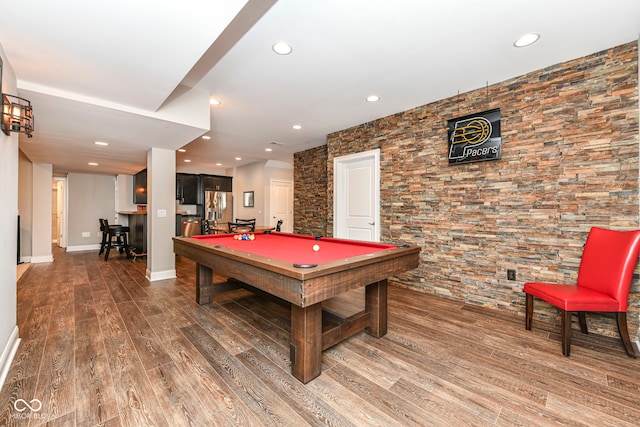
x=218 y=207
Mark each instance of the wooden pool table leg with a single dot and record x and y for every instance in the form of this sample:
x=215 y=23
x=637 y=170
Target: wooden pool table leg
x=306 y=342
x=376 y=306
x=204 y=284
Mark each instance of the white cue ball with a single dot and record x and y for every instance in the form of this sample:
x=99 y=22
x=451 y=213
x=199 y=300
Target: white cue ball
x=316 y=248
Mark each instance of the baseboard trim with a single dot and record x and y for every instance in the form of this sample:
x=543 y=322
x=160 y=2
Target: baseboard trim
x=95 y=247
x=160 y=275
x=41 y=258
x=8 y=354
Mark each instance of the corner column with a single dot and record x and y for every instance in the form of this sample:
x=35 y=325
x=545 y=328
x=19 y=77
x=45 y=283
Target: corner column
x=161 y=213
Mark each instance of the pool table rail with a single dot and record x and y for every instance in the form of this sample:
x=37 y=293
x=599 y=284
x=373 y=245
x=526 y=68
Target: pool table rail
x=299 y=286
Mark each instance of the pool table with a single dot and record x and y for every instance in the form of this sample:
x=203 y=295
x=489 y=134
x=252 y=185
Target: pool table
x=287 y=266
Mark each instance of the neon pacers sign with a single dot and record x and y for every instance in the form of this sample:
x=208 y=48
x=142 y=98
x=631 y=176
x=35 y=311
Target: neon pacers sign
x=475 y=138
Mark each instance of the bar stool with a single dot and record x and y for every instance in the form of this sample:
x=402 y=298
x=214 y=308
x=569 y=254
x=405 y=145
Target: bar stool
x=117 y=237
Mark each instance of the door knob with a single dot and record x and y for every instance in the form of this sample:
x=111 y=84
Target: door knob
x=372 y=223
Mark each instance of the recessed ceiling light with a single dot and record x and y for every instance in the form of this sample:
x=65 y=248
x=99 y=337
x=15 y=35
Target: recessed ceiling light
x=238 y=158
x=268 y=149
x=297 y=127
x=373 y=98
x=101 y=143
x=282 y=48
x=526 y=40
x=182 y=150
x=218 y=164
x=92 y=164
x=206 y=137
x=187 y=161
x=214 y=101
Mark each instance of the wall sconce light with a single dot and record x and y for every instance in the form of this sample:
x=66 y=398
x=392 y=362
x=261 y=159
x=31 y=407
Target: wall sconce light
x=17 y=115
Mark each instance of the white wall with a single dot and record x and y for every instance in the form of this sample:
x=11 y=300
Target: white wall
x=90 y=197
x=249 y=178
x=9 y=339
x=41 y=226
x=257 y=177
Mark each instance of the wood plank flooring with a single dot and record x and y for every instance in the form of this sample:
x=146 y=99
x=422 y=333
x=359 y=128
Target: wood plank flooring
x=101 y=346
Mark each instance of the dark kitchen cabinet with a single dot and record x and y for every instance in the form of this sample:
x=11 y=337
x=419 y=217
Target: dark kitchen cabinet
x=216 y=183
x=178 y=225
x=179 y=187
x=187 y=189
x=140 y=188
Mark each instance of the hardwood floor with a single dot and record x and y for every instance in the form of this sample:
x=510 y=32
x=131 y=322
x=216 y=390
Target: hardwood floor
x=102 y=346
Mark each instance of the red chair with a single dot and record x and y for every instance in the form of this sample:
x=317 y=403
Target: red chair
x=604 y=278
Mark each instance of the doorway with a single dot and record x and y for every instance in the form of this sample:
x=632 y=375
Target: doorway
x=281 y=204
x=59 y=203
x=356 y=200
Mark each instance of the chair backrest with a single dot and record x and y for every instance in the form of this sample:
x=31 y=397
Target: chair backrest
x=104 y=224
x=253 y=220
x=608 y=261
x=241 y=227
x=279 y=225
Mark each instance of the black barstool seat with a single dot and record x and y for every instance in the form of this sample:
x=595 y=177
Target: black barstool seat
x=114 y=236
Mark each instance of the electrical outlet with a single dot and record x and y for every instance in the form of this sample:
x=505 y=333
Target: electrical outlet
x=511 y=274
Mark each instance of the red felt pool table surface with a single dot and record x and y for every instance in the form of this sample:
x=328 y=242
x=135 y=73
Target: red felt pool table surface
x=296 y=248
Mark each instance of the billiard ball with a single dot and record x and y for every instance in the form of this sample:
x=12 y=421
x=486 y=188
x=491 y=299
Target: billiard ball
x=316 y=248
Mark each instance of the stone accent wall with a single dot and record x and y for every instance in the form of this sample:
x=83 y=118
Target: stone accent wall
x=310 y=192
x=570 y=153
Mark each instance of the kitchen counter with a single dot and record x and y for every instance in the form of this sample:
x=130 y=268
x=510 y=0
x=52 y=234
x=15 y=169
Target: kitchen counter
x=138 y=228
x=133 y=213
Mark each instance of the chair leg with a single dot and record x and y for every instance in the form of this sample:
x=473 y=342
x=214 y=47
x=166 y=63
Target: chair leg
x=119 y=243
x=621 y=318
x=528 y=312
x=108 y=249
x=565 y=326
x=582 y=317
x=126 y=246
x=103 y=244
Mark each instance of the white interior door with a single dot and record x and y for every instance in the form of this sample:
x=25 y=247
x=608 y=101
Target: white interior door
x=357 y=196
x=282 y=204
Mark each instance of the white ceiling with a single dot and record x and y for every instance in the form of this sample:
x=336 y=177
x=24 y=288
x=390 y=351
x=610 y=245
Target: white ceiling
x=139 y=74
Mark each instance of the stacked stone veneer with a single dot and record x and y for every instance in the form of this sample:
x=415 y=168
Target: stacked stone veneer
x=569 y=162
x=310 y=208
